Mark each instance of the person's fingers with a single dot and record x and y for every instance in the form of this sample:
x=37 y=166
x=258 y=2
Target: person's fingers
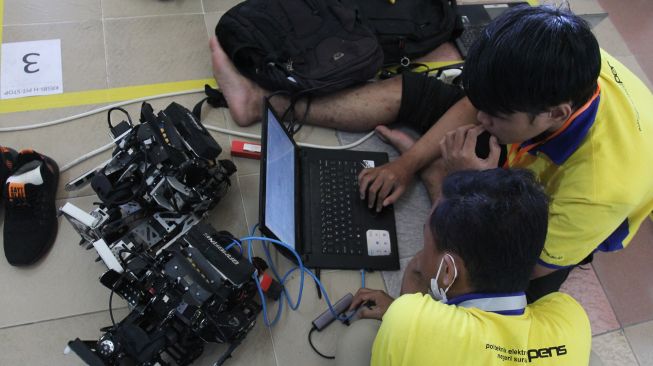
x=383 y=193
x=363 y=291
x=459 y=136
x=392 y=198
x=449 y=141
x=470 y=141
x=365 y=177
x=495 y=152
x=443 y=148
x=373 y=191
x=362 y=295
x=373 y=313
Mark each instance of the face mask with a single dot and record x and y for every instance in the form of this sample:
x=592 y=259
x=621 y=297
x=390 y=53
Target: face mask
x=438 y=293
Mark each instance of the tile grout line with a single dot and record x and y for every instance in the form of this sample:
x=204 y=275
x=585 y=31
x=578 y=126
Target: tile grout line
x=598 y=277
x=51 y=23
x=621 y=326
x=104 y=37
x=638 y=323
x=274 y=349
x=153 y=16
x=630 y=347
x=240 y=186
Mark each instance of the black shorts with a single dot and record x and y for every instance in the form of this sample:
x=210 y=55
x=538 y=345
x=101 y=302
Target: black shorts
x=425 y=99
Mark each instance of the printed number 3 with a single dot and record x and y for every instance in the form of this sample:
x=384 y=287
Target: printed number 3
x=29 y=63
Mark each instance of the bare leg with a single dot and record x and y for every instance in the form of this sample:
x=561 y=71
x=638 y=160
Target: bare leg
x=444 y=52
x=356 y=109
x=243 y=95
x=432 y=174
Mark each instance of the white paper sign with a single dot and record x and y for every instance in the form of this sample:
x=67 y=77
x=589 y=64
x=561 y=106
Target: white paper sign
x=31 y=68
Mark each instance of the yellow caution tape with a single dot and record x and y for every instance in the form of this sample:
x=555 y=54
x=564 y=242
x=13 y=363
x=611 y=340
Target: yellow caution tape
x=100 y=96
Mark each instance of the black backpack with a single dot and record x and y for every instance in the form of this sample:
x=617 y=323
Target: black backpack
x=409 y=28
x=309 y=46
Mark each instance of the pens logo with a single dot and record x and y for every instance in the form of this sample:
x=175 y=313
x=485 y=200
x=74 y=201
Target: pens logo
x=546 y=352
x=221 y=249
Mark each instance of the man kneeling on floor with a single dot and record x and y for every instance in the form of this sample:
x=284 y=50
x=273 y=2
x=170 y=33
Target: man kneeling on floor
x=481 y=242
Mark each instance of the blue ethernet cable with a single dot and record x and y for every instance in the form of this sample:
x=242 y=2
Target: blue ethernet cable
x=282 y=280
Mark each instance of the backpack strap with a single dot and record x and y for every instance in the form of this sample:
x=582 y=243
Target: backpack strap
x=432 y=68
x=147 y=113
x=214 y=97
x=458 y=26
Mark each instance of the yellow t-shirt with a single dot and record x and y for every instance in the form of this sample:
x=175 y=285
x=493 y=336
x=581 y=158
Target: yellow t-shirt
x=599 y=171
x=418 y=331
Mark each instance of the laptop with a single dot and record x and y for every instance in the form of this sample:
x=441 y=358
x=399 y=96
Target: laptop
x=474 y=18
x=309 y=199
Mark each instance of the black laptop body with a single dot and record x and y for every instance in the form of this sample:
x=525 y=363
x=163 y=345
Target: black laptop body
x=474 y=19
x=333 y=228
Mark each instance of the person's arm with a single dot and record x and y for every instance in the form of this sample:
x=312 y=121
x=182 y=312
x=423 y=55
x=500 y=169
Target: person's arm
x=383 y=185
x=427 y=148
x=541 y=271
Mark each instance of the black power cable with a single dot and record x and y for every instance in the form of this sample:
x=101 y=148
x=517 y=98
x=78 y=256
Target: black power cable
x=310 y=341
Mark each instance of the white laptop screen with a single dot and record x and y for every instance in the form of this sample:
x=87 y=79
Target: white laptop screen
x=280 y=191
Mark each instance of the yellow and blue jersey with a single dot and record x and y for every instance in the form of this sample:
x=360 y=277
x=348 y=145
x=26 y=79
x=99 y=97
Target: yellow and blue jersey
x=417 y=330
x=598 y=171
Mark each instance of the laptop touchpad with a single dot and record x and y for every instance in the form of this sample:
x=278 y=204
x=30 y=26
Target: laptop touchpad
x=378 y=243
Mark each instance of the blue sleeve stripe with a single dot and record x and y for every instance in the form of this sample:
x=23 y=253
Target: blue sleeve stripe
x=616 y=240
x=552 y=266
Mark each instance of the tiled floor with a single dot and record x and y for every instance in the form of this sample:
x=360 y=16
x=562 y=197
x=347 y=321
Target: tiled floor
x=634 y=22
x=114 y=43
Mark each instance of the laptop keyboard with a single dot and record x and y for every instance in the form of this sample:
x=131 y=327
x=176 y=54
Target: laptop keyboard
x=338 y=189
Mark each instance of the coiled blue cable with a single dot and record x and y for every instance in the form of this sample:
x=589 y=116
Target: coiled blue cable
x=282 y=280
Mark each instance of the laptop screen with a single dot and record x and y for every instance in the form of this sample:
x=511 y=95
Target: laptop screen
x=494 y=10
x=280 y=192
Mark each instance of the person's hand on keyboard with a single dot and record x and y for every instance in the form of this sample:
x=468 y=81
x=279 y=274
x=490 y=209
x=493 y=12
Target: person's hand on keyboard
x=383 y=185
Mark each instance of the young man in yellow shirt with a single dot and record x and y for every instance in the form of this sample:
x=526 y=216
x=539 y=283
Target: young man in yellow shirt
x=481 y=242
x=539 y=83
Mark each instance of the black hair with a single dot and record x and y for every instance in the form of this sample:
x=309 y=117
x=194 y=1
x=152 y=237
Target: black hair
x=496 y=221
x=530 y=59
